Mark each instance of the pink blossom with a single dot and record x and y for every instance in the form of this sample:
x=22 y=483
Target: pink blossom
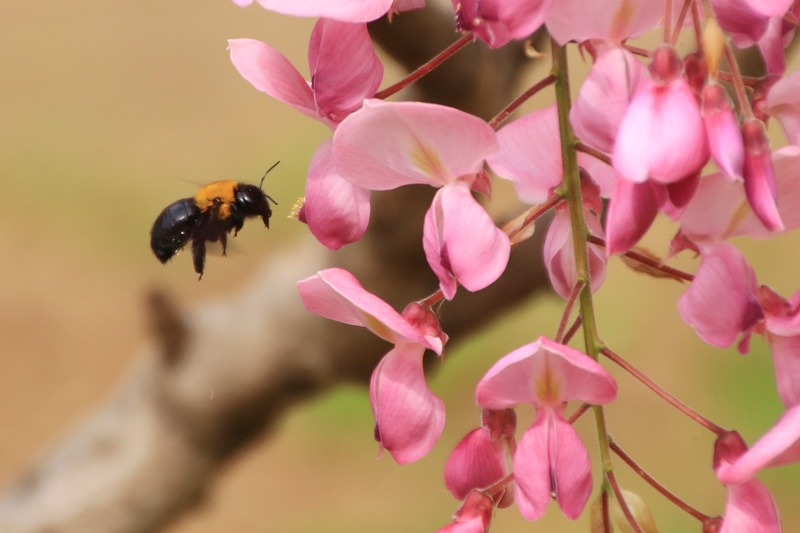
x=750 y=507
x=759 y=175
x=604 y=98
x=662 y=135
x=474 y=516
x=344 y=10
x=344 y=70
x=387 y=145
x=461 y=242
x=777 y=447
x=409 y=417
x=498 y=21
x=722 y=129
x=632 y=210
x=719 y=208
x=343 y=64
x=559 y=250
x=336 y=211
x=550 y=458
x=722 y=301
x=783 y=102
x=530 y=156
x=479 y=460
x=607 y=20
x=782 y=330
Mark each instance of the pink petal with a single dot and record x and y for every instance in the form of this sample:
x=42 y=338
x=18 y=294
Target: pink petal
x=551 y=458
x=722 y=301
x=462 y=243
x=344 y=67
x=770 y=8
x=545 y=373
x=786 y=358
x=530 y=154
x=344 y=10
x=632 y=210
x=750 y=509
x=662 y=135
x=740 y=17
x=476 y=463
x=474 y=516
x=336 y=211
x=498 y=21
x=722 y=128
x=605 y=95
x=783 y=102
x=759 y=175
x=772 y=45
x=388 y=144
x=268 y=71
x=337 y=295
x=409 y=417
x=607 y=20
x=778 y=446
x=559 y=254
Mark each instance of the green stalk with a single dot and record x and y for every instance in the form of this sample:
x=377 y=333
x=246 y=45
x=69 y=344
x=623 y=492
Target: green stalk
x=571 y=190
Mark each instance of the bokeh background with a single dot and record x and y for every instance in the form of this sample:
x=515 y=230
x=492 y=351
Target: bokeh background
x=109 y=111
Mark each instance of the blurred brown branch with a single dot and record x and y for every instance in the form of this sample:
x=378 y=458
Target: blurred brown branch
x=219 y=375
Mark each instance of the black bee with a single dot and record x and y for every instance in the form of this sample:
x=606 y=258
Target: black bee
x=214 y=211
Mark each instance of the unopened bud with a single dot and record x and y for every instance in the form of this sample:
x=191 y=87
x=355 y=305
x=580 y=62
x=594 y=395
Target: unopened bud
x=638 y=508
x=666 y=65
x=728 y=448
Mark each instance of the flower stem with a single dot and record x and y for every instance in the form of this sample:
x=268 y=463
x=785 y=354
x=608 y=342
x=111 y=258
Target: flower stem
x=612 y=480
x=672 y=400
x=519 y=100
x=641 y=472
x=440 y=58
x=570 y=189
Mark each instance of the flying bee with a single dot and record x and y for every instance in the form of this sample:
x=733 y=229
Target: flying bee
x=215 y=210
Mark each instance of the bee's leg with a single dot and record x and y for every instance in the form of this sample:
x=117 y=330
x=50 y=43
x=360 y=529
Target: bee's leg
x=199 y=256
x=223 y=238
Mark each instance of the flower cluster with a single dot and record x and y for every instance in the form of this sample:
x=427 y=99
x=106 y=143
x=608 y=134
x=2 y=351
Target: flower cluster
x=638 y=141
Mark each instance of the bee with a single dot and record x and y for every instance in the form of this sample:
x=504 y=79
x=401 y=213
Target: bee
x=215 y=210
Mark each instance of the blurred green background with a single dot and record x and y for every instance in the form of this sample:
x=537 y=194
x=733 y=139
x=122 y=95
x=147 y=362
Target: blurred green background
x=109 y=111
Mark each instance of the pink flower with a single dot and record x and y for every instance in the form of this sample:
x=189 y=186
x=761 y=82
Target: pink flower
x=461 y=242
x=722 y=128
x=550 y=457
x=632 y=210
x=777 y=447
x=722 y=301
x=782 y=330
x=344 y=70
x=719 y=208
x=750 y=507
x=479 y=460
x=498 y=21
x=409 y=417
x=387 y=145
x=530 y=156
x=474 y=516
x=759 y=175
x=604 y=98
x=662 y=135
x=783 y=102
x=607 y=20
x=559 y=250
x=343 y=64
x=344 y=10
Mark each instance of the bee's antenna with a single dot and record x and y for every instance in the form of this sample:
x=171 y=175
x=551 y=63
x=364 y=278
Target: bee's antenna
x=260 y=185
x=265 y=176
